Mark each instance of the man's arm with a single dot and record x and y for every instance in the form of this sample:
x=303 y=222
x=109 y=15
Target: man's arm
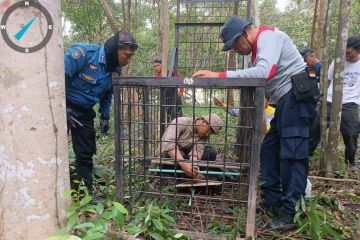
x=75 y=60
x=188 y=168
x=105 y=103
x=268 y=53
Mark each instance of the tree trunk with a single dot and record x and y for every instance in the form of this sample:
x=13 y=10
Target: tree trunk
x=312 y=37
x=123 y=11
x=230 y=61
x=34 y=170
x=109 y=16
x=324 y=83
x=164 y=36
x=333 y=138
x=255 y=13
x=320 y=30
x=128 y=21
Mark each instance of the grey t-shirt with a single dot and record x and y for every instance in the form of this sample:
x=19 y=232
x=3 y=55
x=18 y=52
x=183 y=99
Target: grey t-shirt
x=275 y=58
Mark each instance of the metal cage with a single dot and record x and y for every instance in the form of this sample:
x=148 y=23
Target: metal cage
x=227 y=193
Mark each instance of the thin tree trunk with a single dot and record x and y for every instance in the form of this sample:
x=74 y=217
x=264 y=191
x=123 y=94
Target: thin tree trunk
x=333 y=138
x=312 y=37
x=230 y=60
x=109 y=16
x=128 y=21
x=34 y=170
x=324 y=84
x=255 y=13
x=164 y=36
x=320 y=30
x=123 y=11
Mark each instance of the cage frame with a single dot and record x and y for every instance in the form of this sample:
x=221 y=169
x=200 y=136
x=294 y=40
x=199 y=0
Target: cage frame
x=257 y=84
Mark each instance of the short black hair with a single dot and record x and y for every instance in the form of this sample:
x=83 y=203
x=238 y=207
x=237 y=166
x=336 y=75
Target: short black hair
x=158 y=60
x=353 y=42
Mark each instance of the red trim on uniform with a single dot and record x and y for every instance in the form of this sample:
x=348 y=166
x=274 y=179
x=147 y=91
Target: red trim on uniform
x=181 y=90
x=272 y=72
x=222 y=74
x=254 y=46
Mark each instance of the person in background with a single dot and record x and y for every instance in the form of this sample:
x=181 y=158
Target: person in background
x=235 y=112
x=313 y=61
x=172 y=96
x=350 y=123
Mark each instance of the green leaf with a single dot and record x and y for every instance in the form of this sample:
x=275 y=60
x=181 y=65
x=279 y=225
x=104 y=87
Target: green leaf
x=158 y=224
x=156 y=236
x=133 y=229
x=86 y=200
x=90 y=235
x=99 y=208
x=68 y=193
x=72 y=221
x=84 y=225
x=66 y=237
x=120 y=207
x=147 y=219
x=179 y=235
x=120 y=220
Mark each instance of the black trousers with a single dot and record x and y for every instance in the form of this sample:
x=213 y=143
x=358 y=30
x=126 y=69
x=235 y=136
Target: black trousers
x=84 y=144
x=349 y=128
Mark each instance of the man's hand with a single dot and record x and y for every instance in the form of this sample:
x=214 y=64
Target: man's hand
x=104 y=123
x=190 y=171
x=218 y=102
x=205 y=73
x=72 y=118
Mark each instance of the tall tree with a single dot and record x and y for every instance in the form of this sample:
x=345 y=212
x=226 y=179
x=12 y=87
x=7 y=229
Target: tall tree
x=34 y=171
x=324 y=82
x=320 y=29
x=333 y=137
x=164 y=36
x=313 y=30
x=109 y=15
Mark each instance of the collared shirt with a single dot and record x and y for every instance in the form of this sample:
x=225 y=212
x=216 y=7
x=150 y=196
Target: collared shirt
x=87 y=80
x=181 y=133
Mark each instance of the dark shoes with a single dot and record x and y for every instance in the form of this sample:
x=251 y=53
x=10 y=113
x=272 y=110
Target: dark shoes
x=281 y=222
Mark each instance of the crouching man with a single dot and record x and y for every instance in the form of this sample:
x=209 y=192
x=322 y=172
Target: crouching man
x=186 y=138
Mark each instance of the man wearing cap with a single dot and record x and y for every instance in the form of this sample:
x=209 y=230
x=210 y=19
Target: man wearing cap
x=88 y=81
x=185 y=138
x=284 y=151
x=312 y=61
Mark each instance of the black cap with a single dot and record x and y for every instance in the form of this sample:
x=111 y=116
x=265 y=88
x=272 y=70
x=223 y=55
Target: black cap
x=306 y=52
x=233 y=28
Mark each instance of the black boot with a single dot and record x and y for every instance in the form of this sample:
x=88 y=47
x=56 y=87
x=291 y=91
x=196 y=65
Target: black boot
x=281 y=222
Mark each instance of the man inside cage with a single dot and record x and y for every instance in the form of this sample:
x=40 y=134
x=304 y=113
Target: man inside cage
x=88 y=81
x=172 y=96
x=187 y=139
x=284 y=153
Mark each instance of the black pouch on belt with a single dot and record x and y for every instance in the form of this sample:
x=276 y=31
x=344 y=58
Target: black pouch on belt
x=305 y=87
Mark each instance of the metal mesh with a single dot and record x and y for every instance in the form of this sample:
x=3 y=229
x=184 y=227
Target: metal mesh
x=144 y=174
x=197 y=35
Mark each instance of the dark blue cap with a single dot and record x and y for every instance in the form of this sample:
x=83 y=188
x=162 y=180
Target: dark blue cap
x=233 y=28
x=306 y=52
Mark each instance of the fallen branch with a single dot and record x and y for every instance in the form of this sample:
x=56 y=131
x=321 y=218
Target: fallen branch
x=335 y=179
